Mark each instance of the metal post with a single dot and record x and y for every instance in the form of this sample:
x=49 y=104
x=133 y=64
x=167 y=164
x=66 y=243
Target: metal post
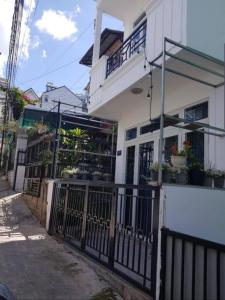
x=65 y=210
x=54 y=161
x=112 y=229
x=162 y=113
x=84 y=221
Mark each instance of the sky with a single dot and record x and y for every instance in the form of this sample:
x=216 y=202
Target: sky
x=54 y=33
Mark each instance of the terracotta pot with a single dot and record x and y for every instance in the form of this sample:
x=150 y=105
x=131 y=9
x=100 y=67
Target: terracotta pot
x=178 y=161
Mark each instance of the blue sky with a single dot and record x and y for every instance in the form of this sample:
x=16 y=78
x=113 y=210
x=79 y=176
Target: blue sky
x=49 y=40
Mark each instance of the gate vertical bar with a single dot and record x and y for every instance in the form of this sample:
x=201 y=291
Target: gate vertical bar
x=84 y=221
x=163 y=264
x=155 y=232
x=65 y=209
x=112 y=229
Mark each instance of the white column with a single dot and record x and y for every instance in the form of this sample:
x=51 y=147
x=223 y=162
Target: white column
x=97 y=41
x=49 y=202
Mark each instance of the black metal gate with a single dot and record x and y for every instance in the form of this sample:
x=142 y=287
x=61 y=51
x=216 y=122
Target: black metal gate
x=92 y=216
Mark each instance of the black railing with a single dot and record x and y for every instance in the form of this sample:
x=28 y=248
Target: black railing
x=192 y=268
x=131 y=45
x=115 y=224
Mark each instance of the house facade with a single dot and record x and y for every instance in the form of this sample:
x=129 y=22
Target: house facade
x=53 y=94
x=126 y=86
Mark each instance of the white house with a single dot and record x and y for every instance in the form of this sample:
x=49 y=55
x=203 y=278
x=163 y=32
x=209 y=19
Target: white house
x=30 y=93
x=184 y=38
x=121 y=86
x=62 y=94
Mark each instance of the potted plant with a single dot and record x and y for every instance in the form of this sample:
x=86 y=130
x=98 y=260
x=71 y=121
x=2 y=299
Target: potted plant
x=154 y=169
x=76 y=173
x=209 y=177
x=219 y=179
x=67 y=173
x=96 y=175
x=84 y=174
x=181 y=175
x=107 y=177
x=196 y=173
x=167 y=173
x=179 y=157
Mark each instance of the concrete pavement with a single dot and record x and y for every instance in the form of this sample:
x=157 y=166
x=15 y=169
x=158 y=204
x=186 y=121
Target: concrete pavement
x=35 y=266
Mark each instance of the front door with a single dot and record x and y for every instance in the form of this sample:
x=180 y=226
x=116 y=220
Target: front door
x=146 y=152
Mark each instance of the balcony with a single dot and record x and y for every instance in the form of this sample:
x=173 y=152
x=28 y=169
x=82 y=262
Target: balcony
x=131 y=45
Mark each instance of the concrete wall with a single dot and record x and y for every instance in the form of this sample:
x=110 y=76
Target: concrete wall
x=195 y=211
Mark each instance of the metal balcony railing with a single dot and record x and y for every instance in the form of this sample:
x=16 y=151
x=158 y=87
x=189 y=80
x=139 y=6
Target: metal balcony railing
x=131 y=45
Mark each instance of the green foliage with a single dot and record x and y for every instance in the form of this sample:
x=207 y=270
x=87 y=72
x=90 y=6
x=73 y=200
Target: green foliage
x=46 y=157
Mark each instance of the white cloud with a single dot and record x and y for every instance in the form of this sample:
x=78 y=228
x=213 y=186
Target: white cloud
x=6 y=13
x=57 y=23
x=44 y=54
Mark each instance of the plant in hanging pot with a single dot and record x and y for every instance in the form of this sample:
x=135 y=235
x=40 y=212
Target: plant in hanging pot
x=179 y=157
x=219 y=178
x=97 y=175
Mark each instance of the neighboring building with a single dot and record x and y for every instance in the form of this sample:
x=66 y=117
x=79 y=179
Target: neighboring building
x=3 y=86
x=62 y=94
x=30 y=93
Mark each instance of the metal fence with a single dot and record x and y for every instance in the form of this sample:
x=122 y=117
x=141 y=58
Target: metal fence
x=115 y=224
x=32 y=186
x=192 y=268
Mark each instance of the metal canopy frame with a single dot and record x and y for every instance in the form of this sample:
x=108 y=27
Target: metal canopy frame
x=197 y=126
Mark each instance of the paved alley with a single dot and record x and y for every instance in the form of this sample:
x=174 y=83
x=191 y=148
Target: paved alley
x=35 y=266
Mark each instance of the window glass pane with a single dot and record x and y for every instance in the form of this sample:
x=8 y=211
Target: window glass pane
x=131 y=134
x=196 y=112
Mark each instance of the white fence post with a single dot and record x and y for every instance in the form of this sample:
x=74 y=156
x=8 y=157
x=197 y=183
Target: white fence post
x=49 y=201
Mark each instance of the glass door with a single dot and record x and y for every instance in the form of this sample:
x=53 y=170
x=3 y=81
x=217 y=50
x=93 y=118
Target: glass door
x=144 y=205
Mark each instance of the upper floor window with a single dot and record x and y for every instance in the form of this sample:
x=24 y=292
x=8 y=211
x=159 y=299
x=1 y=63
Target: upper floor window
x=46 y=98
x=196 y=112
x=131 y=134
x=155 y=125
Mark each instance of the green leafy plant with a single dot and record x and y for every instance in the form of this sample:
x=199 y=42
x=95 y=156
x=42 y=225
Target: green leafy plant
x=46 y=157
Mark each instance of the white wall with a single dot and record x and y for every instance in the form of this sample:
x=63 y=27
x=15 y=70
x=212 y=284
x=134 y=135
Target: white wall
x=206 y=26
x=195 y=211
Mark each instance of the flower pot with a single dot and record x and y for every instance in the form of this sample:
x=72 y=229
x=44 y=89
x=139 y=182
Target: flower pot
x=96 y=177
x=208 y=181
x=181 y=177
x=219 y=182
x=84 y=176
x=154 y=175
x=167 y=176
x=196 y=177
x=178 y=161
x=75 y=176
x=108 y=177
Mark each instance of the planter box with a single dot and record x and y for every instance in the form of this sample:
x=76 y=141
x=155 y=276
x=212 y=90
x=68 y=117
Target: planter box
x=182 y=178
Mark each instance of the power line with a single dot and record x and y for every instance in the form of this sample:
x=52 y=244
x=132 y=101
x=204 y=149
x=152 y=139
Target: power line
x=47 y=73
